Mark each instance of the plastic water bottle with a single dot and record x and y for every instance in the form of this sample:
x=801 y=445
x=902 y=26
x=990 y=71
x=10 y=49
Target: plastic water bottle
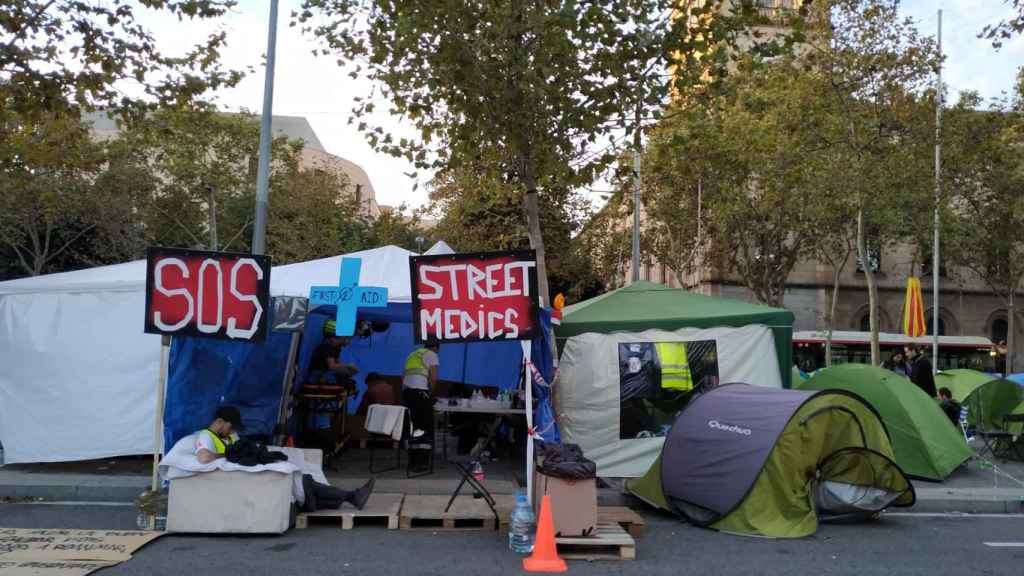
x=477 y=470
x=522 y=526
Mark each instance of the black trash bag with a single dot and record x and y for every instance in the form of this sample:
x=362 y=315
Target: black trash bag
x=566 y=461
x=248 y=452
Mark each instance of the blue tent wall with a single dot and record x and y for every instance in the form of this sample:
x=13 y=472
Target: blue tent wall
x=204 y=373
x=493 y=364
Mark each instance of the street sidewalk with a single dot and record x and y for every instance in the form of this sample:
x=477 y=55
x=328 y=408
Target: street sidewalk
x=980 y=486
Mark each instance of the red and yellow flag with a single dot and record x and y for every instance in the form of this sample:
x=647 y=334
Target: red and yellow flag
x=913 y=310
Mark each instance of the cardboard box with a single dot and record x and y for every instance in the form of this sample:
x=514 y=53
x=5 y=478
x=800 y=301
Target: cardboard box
x=573 y=503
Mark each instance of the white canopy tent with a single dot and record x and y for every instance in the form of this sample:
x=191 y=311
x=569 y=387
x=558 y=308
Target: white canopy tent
x=73 y=353
x=588 y=388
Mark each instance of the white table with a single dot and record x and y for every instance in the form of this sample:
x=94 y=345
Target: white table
x=442 y=407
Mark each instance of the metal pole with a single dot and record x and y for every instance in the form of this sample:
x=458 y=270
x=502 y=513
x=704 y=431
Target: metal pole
x=158 y=427
x=637 y=142
x=259 y=229
x=938 y=190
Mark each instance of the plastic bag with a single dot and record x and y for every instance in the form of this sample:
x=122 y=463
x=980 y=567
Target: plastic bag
x=566 y=461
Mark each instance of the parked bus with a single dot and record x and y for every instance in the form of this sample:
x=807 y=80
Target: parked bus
x=973 y=352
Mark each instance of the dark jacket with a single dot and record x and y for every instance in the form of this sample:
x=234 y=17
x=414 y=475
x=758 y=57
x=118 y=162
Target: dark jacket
x=921 y=374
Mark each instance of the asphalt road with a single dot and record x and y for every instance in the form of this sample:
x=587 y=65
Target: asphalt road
x=896 y=544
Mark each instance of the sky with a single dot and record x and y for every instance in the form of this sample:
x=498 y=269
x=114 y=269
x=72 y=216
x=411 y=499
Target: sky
x=319 y=89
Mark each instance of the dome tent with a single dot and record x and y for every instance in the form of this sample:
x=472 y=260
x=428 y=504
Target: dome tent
x=770 y=462
x=926 y=444
x=961 y=381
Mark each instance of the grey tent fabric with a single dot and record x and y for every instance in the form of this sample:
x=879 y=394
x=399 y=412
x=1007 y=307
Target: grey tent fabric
x=714 y=454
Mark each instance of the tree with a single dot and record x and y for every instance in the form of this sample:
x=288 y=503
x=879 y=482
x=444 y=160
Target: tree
x=986 y=169
x=1008 y=27
x=876 y=66
x=48 y=203
x=734 y=163
x=65 y=55
x=537 y=86
x=479 y=212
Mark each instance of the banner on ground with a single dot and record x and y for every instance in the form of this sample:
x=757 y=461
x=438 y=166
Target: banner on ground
x=475 y=297
x=207 y=294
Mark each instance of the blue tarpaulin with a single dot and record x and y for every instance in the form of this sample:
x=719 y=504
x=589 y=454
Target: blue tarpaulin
x=204 y=373
x=491 y=364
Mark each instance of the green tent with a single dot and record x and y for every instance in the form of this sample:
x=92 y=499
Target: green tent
x=988 y=403
x=769 y=462
x=648 y=305
x=961 y=382
x=926 y=443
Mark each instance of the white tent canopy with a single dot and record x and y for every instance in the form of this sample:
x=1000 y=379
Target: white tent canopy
x=72 y=351
x=588 y=388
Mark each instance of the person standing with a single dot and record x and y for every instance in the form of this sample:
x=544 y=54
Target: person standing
x=897 y=363
x=419 y=380
x=921 y=370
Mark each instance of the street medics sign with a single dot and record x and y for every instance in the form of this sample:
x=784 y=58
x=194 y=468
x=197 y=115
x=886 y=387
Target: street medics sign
x=473 y=297
x=210 y=294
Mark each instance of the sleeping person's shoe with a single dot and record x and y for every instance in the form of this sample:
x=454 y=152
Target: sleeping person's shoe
x=362 y=495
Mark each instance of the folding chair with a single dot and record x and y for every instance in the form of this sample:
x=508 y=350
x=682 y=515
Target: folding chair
x=380 y=435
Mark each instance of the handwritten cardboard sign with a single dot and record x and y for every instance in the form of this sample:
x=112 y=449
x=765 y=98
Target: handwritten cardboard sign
x=207 y=294
x=18 y=544
x=475 y=297
x=52 y=567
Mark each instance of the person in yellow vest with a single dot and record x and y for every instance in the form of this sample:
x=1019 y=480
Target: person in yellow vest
x=212 y=442
x=675 y=370
x=419 y=380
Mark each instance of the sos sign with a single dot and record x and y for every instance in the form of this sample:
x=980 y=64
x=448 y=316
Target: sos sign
x=207 y=294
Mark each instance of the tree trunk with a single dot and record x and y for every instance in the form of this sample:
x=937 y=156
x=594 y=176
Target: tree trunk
x=869 y=276
x=830 y=319
x=1011 y=317
x=532 y=207
x=213 y=218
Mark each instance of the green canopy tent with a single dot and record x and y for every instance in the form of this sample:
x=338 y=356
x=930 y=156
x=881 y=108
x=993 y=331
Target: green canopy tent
x=926 y=443
x=961 y=382
x=648 y=305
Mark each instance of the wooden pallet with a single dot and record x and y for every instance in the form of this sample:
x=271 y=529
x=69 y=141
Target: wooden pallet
x=426 y=512
x=610 y=542
x=379 y=506
x=626 y=517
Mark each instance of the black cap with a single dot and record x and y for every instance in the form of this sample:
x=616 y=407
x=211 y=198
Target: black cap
x=232 y=415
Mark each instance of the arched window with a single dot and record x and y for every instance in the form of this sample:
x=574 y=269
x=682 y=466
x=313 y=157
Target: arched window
x=942 y=326
x=1000 y=329
x=865 y=323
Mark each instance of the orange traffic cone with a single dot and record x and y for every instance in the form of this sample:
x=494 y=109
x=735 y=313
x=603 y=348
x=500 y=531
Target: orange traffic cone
x=545 y=553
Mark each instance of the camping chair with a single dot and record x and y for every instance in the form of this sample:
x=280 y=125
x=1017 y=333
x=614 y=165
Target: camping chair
x=999 y=442
x=963 y=424
x=1015 y=447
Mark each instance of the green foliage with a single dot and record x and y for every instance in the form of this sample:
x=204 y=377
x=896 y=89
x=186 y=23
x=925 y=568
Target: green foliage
x=479 y=212
x=531 y=91
x=57 y=55
x=985 y=176
x=1008 y=27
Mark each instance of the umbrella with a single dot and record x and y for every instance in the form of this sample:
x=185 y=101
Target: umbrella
x=913 y=310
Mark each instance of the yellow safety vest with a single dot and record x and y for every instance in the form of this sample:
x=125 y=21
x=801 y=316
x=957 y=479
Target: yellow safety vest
x=414 y=364
x=675 y=370
x=218 y=443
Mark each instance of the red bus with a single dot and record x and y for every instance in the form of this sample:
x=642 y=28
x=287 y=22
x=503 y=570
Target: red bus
x=974 y=352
